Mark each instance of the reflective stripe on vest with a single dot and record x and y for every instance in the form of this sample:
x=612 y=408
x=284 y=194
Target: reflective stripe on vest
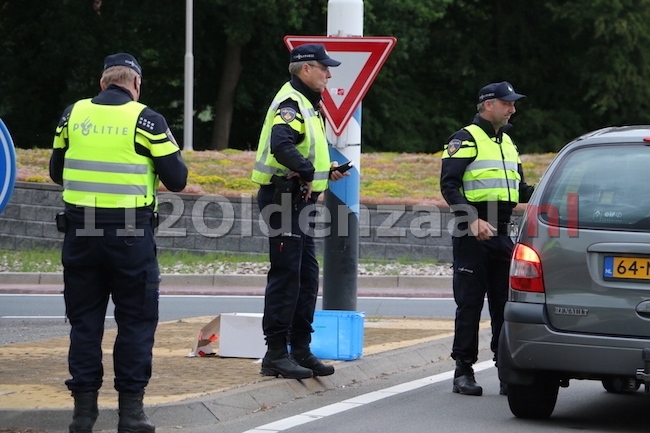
x=313 y=147
x=494 y=174
x=101 y=167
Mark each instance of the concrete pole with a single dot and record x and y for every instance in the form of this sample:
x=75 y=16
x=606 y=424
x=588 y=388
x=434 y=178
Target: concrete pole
x=188 y=123
x=341 y=248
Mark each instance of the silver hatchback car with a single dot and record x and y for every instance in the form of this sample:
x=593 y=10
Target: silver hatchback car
x=579 y=300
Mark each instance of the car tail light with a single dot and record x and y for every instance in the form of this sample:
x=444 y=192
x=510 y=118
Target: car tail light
x=526 y=270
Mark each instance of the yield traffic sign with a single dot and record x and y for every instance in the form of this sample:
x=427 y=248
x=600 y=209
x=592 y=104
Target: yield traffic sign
x=361 y=59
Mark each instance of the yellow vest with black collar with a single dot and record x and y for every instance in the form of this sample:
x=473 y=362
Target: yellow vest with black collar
x=313 y=147
x=493 y=175
x=101 y=167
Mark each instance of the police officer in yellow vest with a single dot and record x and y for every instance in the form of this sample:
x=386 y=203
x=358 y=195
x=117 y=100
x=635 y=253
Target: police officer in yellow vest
x=110 y=152
x=293 y=167
x=482 y=181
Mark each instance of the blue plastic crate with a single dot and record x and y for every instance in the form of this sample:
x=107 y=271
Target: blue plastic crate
x=337 y=334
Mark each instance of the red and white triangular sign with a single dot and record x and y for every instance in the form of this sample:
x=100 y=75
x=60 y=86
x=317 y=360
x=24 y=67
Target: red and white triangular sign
x=361 y=59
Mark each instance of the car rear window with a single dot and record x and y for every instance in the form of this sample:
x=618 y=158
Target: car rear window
x=600 y=187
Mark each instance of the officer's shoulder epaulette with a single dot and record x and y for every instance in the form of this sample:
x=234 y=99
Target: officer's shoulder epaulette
x=152 y=121
x=463 y=135
x=461 y=138
x=289 y=103
x=66 y=115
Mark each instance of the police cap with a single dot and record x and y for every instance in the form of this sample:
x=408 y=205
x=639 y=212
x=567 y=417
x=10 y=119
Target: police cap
x=315 y=52
x=502 y=90
x=123 y=59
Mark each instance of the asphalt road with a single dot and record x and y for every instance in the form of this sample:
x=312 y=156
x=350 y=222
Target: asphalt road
x=416 y=400
x=420 y=401
x=31 y=317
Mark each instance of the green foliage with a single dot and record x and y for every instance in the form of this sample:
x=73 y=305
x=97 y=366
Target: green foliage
x=393 y=115
x=44 y=260
x=384 y=188
x=180 y=262
x=386 y=178
x=198 y=179
x=49 y=260
x=611 y=34
x=39 y=79
x=231 y=152
x=167 y=259
x=241 y=184
x=583 y=65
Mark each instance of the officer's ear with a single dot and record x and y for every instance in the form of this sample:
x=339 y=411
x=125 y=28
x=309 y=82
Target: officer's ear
x=138 y=86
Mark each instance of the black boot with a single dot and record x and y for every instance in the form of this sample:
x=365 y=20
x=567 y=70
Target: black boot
x=305 y=358
x=277 y=362
x=464 y=382
x=132 y=417
x=85 y=412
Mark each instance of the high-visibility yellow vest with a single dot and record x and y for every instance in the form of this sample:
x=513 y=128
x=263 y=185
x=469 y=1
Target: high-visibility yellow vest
x=101 y=167
x=313 y=147
x=494 y=174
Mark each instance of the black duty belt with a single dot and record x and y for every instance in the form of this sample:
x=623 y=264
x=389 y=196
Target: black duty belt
x=503 y=228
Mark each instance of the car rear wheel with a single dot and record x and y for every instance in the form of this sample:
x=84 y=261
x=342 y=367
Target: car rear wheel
x=620 y=385
x=535 y=401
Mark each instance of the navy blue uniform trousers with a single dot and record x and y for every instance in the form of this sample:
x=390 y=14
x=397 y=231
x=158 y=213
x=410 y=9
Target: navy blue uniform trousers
x=292 y=280
x=126 y=268
x=480 y=268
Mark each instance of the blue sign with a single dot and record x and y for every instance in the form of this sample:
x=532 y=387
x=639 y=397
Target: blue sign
x=8 y=169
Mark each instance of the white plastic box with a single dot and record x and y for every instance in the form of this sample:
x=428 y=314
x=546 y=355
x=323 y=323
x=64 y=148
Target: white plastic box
x=241 y=336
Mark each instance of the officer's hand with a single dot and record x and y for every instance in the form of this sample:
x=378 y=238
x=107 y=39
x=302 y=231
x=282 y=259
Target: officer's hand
x=482 y=229
x=335 y=174
x=307 y=193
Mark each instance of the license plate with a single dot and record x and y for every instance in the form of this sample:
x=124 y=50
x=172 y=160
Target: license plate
x=633 y=268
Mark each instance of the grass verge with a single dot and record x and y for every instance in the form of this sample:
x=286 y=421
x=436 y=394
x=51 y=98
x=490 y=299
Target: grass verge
x=385 y=178
x=184 y=262
x=49 y=260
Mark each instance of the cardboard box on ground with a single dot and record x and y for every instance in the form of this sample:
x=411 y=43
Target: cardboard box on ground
x=338 y=335
x=239 y=335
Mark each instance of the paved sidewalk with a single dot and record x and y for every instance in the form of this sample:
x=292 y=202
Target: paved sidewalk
x=221 y=405
x=194 y=415
x=242 y=285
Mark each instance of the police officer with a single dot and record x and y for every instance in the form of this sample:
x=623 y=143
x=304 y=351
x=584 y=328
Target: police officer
x=482 y=181
x=293 y=167
x=110 y=152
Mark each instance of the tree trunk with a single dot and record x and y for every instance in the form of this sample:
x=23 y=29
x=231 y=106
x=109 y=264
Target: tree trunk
x=224 y=106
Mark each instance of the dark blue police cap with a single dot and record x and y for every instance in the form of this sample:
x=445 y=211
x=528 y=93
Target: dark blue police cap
x=502 y=90
x=122 y=59
x=316 y=52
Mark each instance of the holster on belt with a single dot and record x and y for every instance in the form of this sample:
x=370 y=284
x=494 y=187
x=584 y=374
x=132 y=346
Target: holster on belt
x=284 y=185
x=61 y=222
x=155 y=220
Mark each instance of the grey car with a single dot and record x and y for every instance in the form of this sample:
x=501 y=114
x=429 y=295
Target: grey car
x=579 y=300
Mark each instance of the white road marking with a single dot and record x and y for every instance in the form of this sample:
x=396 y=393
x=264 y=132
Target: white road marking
x=332 y=409
x=41 y=317
x=392 y=298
